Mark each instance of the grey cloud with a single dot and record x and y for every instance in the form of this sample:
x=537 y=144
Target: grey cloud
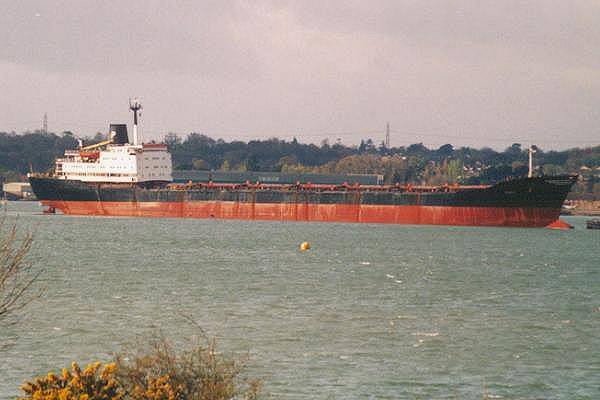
x=489 y=72
x=115 y=36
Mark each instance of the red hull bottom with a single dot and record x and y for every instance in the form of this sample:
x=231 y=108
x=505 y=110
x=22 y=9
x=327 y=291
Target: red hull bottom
x=426 y=215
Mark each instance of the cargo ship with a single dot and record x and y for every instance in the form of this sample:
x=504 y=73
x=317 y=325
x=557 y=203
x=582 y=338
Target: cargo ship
x=119 y=177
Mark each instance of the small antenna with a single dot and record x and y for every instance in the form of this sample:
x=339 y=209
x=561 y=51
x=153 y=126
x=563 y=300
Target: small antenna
x=45 y=124
x=135 y=106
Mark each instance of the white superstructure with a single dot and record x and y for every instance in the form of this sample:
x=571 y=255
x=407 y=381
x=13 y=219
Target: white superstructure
x=117 y=160
x=117 y=163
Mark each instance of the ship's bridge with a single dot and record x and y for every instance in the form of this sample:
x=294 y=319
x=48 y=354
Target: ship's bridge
x=117 y=163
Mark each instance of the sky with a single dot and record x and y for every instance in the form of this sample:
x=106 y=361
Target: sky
x=477 y=73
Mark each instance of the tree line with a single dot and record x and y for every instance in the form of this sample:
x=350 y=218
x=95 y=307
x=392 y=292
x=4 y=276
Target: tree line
x=416 y=163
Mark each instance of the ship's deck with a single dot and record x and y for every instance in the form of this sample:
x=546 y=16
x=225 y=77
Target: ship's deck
x=301 y=187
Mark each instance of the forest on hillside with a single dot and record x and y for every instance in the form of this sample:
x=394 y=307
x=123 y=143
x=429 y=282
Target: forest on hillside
x=417 y=164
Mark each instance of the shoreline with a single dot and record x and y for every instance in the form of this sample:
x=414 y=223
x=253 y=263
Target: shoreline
x=587 y=208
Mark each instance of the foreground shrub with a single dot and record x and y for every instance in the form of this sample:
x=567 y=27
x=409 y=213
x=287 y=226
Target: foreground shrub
x=17 y=277
x=92 y=383
x=200 y=373
x=154 y=372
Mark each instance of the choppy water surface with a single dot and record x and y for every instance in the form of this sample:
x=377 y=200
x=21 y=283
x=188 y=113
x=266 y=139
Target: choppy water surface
x=371 y=311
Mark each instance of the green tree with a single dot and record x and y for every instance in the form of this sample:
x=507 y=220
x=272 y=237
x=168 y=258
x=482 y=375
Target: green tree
x=455 y=171
x=172 y=140
x=225 y=166
x=200 y=164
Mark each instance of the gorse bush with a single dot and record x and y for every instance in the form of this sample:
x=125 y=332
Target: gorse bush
x=155 y=389
x=93 y=383
x=153 y=372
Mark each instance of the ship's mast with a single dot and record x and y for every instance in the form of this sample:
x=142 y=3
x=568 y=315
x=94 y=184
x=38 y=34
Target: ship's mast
x=135 y=106
x=531 y=151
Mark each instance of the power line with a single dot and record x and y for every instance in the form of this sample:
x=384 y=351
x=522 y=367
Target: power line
x=358 y=134
x=414 y=136
x=387 y=136
x=513 y=140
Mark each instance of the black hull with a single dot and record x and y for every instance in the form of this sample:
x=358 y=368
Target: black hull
x=541 y=192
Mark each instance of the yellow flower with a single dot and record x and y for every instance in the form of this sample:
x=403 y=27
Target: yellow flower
x=108 y=370
x=64 y=394
x=76 y=381
x=28 y=387
x=76 y=368
x=51 y=378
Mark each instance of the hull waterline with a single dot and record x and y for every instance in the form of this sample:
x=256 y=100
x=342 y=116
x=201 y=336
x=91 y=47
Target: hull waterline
x=427 y=215
x=527 y=202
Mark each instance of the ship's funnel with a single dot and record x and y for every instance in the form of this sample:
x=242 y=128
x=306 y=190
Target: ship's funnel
x=118 y=133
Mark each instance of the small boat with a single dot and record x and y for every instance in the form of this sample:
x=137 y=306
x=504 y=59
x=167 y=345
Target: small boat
x=50 y=210
x=593 y=223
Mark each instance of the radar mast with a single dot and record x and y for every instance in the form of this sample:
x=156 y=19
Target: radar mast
x=135 y=106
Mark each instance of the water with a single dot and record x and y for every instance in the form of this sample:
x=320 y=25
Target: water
x=371 y=311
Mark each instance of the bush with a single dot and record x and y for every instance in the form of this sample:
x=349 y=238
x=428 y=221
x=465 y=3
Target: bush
x=92 y=383
x=17 y=277
x=154 y=372
x=200 y=372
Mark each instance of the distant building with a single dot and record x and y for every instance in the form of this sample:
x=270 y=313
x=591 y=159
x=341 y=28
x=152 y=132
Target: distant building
x=18 y=191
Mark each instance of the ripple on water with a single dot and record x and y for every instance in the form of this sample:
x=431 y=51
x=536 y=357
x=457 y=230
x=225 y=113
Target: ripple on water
x=370 y=312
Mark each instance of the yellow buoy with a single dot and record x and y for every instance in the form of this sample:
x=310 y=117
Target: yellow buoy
x=304 y=246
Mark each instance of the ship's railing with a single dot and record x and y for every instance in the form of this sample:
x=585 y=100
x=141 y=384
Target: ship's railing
x=323 y=187
x=155 y=146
